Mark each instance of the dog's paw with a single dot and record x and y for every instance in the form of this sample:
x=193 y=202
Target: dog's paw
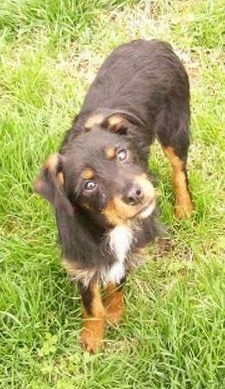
x=89 y=342
x=184 y=212
x=92 y=335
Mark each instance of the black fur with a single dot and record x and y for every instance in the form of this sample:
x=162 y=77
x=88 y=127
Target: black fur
x=145 y=78
x=141 y=92
x=81 y=235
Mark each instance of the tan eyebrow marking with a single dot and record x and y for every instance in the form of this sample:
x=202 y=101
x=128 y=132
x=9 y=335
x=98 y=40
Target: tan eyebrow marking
x=87 y=174
x=110 y=152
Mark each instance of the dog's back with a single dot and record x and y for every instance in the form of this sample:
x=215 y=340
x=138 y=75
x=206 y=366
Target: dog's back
x=140 y=77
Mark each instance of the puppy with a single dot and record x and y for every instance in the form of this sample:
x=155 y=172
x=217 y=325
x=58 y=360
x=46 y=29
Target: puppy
x=98 y=182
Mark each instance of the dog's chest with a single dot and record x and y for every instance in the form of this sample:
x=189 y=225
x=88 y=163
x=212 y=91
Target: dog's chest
x=120 y=241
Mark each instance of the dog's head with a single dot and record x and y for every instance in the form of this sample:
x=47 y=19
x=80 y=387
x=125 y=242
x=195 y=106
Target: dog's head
x=100 y=174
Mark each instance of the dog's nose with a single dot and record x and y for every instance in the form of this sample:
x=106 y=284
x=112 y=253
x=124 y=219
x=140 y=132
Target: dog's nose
x=135 y=195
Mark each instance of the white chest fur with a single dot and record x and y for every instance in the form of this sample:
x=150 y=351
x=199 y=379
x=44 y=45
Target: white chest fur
x=120 y=240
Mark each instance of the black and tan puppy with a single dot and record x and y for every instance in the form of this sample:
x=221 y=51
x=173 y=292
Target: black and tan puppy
x=98 y=182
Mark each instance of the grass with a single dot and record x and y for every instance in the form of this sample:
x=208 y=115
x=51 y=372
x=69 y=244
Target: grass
x=173 y=334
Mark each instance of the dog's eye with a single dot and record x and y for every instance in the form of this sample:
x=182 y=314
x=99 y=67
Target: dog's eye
x=90 y=185
x=122 y=154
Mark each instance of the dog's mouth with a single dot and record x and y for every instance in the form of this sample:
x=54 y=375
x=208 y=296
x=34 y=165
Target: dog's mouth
x=146 y=210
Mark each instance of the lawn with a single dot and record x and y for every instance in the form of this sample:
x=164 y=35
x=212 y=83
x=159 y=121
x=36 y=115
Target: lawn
x=173 y=333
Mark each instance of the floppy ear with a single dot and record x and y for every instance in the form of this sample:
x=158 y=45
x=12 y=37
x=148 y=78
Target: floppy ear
x=114 y=120
x=50 y=184
x=116 y=123
x=118 y=119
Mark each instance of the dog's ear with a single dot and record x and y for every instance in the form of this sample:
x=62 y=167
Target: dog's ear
x=118 y=121
x=114 y=120
x=49 y=184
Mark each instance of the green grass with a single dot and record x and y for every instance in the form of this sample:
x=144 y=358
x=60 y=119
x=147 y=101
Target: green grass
x=173 y=334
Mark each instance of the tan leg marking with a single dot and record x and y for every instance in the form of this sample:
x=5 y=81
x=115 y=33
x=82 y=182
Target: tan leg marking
x=114 y=304
x=94 y=322
x=183 y=206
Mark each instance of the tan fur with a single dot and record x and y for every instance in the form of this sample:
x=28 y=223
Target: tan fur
x=94 y=120
x=94 y=325
x=146 y=185
x=87 y=174
x=114 y=304
x=184 y=206
x=60 y=178
x=115 y=122
x=110 y=152
x=118 y=211
x=52 y=162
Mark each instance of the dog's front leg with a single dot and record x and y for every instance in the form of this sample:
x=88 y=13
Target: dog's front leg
x=114 y=302
x=94 y=316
